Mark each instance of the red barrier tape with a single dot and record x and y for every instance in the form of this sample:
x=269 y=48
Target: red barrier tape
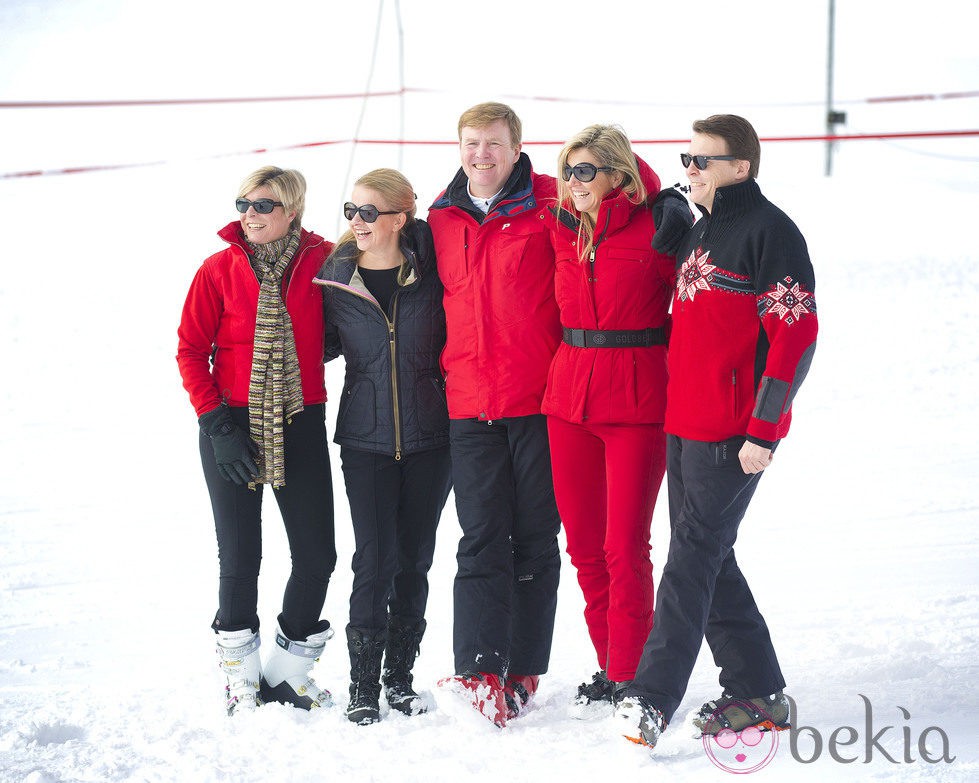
x=191 y=101
x=419 y=142
x=939 y=96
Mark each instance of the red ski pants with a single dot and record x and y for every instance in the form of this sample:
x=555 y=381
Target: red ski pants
x=606 y=479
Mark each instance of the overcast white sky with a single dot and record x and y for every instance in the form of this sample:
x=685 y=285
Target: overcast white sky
x=708 y=52
x=670 y=61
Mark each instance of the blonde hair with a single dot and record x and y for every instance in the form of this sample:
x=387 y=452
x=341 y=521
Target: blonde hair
x=396 y=191
x=287 y=185
x=610 y=146
x=483 y=114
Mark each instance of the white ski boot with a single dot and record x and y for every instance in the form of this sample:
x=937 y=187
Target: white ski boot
x=286 y=678
x=239 y=659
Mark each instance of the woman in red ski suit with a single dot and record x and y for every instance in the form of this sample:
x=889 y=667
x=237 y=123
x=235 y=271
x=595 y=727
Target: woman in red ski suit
x=606 y=390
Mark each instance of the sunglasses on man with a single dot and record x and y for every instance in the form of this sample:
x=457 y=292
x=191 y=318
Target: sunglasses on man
x=584 y=172
x=262 y=206
x=701 y=161
x=368 y=212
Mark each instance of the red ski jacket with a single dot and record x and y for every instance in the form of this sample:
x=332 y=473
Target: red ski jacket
x=217 y=328
x=501 y=317
x=624 y=285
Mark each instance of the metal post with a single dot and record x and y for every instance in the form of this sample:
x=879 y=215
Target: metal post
x=830 y=125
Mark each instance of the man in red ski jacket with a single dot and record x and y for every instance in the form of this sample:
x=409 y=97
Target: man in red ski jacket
x=496 y=262
x=743 y=337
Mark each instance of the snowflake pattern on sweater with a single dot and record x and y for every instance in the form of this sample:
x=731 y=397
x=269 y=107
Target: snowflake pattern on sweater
x=787 y=300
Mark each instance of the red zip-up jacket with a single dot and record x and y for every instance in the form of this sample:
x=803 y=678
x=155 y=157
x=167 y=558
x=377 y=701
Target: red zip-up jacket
x=217 y=326
x=628 y=286
x=501 y=316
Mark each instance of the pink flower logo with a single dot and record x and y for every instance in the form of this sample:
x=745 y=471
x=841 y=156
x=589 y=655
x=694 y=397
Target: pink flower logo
x=741 y=752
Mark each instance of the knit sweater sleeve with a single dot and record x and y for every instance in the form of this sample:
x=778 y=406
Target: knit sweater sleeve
x=786 y=303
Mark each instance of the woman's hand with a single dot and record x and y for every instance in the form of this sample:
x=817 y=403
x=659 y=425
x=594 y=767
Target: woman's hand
x=234 y=451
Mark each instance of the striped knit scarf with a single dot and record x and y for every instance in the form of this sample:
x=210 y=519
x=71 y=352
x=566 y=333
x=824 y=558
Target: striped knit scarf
x=275 y=390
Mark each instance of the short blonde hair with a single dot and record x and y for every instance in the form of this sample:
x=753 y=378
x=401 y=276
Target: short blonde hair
x=483 y=114
x=610 y=146
x=287 y=185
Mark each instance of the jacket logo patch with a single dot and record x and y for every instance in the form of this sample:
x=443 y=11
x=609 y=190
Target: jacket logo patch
x=787 y=300
x=505 y=227
x=696 y=274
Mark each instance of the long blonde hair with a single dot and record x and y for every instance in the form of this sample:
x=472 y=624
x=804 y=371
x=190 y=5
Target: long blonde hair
x=396 y=190
x=610 y=146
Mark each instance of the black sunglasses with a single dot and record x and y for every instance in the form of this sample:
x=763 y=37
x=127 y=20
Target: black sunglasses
x=700 y=161
x=262 y=206
x=584 y=172
x=368 y=212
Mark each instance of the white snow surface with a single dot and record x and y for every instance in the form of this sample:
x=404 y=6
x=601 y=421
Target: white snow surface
x=861 y=545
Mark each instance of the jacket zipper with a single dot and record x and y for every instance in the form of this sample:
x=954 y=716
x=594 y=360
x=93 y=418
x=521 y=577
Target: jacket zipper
x=734 y=392
x=394 y=376
x=594 y=247
x=392 y=344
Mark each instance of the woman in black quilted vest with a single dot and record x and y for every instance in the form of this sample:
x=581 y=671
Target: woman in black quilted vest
x=383 y=312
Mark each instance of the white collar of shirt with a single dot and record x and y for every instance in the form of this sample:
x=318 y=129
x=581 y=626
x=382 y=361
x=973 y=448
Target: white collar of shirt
x=482 y=204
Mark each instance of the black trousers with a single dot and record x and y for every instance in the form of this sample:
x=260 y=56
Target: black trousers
x=395 y=507
x=702 y=591
x=509 y=564
x=306 y=505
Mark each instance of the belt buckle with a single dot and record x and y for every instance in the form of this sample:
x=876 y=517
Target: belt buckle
x=578 y=338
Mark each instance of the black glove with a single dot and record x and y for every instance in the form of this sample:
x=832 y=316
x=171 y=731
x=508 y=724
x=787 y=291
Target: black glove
x=234 y=451
x=672 y=218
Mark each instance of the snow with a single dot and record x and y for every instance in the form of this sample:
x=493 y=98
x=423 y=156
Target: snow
x=861 y=544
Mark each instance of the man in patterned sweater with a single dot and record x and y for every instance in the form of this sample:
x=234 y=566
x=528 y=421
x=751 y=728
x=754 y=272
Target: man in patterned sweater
x=743 y=336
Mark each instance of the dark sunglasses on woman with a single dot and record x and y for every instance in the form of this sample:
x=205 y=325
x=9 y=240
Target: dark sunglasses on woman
x=368 y=212
x=262 y=206
x=584 y=172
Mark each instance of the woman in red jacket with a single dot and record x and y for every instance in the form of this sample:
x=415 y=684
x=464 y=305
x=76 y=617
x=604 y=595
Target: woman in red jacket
x=251 y=357
x=606 y=391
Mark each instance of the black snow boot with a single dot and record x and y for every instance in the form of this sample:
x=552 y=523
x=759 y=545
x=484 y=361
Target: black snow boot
x=404 y=640
x=366 y=648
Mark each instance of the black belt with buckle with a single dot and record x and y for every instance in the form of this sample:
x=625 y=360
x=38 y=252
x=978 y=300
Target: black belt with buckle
x=614 y=338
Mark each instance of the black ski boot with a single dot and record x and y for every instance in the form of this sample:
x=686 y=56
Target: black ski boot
x=366 y=648
x=403 y=645
x=598 y=690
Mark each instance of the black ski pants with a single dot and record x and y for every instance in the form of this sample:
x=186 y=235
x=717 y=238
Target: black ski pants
x=702 y=591
x=395 y=507
x=306 y=504
x=509 y=564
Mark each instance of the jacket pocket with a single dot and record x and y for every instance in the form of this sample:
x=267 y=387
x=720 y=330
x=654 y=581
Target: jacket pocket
x=358 y=411
x=433 y=412
x=522 y=279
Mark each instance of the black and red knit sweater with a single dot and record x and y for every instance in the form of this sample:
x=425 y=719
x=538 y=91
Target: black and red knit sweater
x=744 y=321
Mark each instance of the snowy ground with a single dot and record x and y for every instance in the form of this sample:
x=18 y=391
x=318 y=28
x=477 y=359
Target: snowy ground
x=862 y=544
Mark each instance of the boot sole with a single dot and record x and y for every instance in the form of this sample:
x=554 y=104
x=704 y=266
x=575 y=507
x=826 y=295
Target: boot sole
x=284 y=694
